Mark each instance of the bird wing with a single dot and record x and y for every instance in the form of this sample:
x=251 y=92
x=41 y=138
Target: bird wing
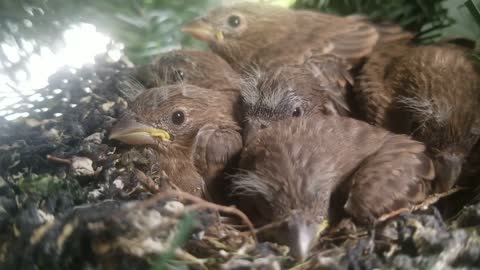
x=319 y=34
x=397 y=175
x=372 y=93
x=351 y=37
x=388 y=32
x=213 y=149
x=334 y=77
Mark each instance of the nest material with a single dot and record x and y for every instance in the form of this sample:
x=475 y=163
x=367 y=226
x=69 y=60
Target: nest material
x=71 y=199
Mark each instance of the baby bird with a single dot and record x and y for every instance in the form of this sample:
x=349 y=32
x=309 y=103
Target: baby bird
x=431 y=93
x=265 y=36
x=320 y=86
x=199 y=68
x=289 y=171
x=194 y=131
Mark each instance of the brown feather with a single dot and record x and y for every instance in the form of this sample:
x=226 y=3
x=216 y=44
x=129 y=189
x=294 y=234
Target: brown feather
x=296 y=164
x=202 y=144
x=199 y=68
x=317 y=87
x=430 y=92
x=268 y=36
x=291 y=170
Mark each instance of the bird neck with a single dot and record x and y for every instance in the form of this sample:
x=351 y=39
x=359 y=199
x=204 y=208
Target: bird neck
x=176 y=162
x=173 y=152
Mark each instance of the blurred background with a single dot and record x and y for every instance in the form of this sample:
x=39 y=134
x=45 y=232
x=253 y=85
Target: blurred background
x=40 y=37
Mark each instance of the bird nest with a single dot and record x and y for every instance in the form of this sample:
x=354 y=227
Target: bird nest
x=71 y=199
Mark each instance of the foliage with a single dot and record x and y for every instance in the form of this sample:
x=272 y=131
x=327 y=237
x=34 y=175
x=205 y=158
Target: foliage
x=185 y=227
x=149 y=27
x=434 y=19
x=466 y=23
x=474 y=9
x=408 y=13
x=145 y=27
x=42 y=186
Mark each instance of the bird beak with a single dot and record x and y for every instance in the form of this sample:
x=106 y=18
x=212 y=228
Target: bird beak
x=202 y=30
x=297 y=233
x=302 y=236
x=448 y=168
x=130 y=131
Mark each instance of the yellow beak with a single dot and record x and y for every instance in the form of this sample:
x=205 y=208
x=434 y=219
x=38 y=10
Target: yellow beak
x=296 y=233
x=303 y=237
x=203 y=31
x=130 y=131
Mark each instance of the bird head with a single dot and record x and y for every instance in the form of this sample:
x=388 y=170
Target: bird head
x=172 y=115
x=313 y=88
x=448 y=167
x=200 y=68
x=283 y=215
x=448 y=134
x=269 y=101
x=299 y=231
x=238 y=29
x=285 y=184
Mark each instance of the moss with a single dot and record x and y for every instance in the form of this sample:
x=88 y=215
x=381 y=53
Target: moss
x=43 y=186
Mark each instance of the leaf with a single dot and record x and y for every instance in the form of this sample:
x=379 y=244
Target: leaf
x=184 y=230
x=474 y=9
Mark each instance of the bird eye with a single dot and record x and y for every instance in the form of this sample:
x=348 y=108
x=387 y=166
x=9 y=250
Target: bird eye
x=234 y=21
x=179 y=75
x=178 y=117
x=297 y=112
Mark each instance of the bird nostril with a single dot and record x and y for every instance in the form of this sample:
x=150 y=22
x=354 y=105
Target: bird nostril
x=262 y=126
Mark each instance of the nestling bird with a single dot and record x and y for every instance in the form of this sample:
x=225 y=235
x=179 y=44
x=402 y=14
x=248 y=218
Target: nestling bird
x=320 y=86
x=200 y=68
x=430 y=92
x=290 y=169
x=194 y=130
x=253 y=34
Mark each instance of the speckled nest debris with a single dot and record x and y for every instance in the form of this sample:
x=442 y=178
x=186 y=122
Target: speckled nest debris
x=120 y=235
x=70 y=199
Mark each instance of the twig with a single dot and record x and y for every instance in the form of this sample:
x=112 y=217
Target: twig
x=426 y=203
x=189 y=258
x=199 y=204
x=59 y=160
x=146 y=181
x=346 y=236
x=202 y=204
x=269 y=226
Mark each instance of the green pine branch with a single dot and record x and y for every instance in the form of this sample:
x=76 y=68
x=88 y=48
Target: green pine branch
x=413 y=15
x=181 y=237
x=474 y=8
x=145 y=27
x=432 y=19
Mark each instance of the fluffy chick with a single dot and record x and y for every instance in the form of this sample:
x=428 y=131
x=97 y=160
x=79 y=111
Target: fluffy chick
x=194 y=131
x=320 y=86
x=289 y=171
x=430 y=92
x=201 y=68
x=265 y=36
